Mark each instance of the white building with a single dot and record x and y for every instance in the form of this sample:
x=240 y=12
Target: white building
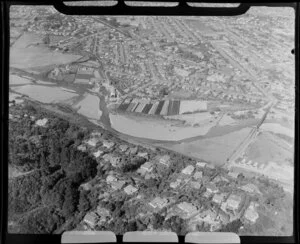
x=111 y=178
x=123 y=148
x=201 y=164
x=233 y=202
x=42 y=122
x=148 y=166
x=188 y=170
x=108 y=144
x=92 y=142
x=158 y=202
x=165 y=160
x=130 y=189
x=98 y=153
x=175 y=184
x=250 y=214
x=198 y=175
x=82 y=148
x=189 y=208
x=91 y=219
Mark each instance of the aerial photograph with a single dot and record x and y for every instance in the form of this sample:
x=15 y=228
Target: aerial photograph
x=151 y=123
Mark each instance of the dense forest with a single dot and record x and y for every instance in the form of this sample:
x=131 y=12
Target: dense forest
x=47 y=195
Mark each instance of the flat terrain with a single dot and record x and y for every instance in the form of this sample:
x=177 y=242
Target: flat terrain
x=268 y=148
x=216 y=149
x=18 y=80
x=44 y=94
x=156 y=129
x=89 y=107
x=29 y=52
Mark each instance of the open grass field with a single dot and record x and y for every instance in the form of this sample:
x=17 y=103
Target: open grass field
x=215 y=150
x=18 y=80
x=156 y=129
x=199 y=119
x=89 y=107
x=277 y=128
x=267 y=148
x=44 y=94
x=29 y=52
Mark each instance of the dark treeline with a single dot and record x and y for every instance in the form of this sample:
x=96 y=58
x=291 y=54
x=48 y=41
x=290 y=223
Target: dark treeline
x=47 y=195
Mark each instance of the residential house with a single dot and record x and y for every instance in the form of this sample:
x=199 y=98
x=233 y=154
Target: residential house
x=117 y=185
x=224 y=206
x=195 y=184
x=98 y=153
x=114 y=160
x=130 y=189
x=42 y=122
x=201 y=164
x=233 y=202
x=123 y=148
x=92 y=142
x=158 y=202
x=205 y=179
x=111 y=178
x=148 y=166
x=143 y=155
x=133 y=150
x=164 y=160
x=149 y=176
x=211 y=188
x=86 y=186
x=96 y=134
x=210 y=166
x=175 y=184
x=36 y=140
x=104 y=195
x=223 y=217
x=188 y=208
x=251 y=214
x=251 y=188
x=233 y=174
x=188 y=170
x=198 y=175
x=103 y=214
x=91 y=219
x=108 y=144
x=218 y=198
x=82 y=148
x=208 y=215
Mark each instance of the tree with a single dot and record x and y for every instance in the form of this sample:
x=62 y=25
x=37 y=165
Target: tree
x=71 y=199
x=233 y=226
x=43 y=220
x=46 y=39
x=177 y=225
x=157 y=221
x=84 y=203
x=163 y=91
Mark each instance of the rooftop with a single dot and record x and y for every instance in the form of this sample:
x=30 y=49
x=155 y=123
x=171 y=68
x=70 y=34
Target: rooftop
x=198 y=175
x=201 y=164
x=187 y=207
x=188 y=170
x=92 y=142
x=41 y=122
x=130 y=189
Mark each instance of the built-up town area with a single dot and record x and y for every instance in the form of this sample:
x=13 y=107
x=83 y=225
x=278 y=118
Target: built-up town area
x=192 y=78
